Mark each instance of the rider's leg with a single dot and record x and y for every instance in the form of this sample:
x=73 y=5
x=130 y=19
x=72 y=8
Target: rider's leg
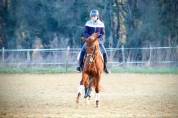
x=82 y=54
x=105 y=57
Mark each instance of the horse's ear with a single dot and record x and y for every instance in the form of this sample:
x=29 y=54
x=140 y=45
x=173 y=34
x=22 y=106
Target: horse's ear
x=96 y=34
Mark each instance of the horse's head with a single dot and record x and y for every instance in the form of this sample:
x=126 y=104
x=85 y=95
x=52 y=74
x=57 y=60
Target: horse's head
x=92 y=40
x=92 y=47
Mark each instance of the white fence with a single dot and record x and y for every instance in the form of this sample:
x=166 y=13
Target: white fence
x=67 y=57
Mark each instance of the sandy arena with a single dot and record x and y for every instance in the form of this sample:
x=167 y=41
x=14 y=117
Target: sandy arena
x=122 y=95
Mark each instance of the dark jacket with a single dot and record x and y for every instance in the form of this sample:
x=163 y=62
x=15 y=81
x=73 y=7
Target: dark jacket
x=94 y=27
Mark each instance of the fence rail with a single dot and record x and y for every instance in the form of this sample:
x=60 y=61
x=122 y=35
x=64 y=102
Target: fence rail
x=67 y=57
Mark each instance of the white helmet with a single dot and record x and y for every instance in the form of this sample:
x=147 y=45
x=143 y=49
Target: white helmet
x=94 y=12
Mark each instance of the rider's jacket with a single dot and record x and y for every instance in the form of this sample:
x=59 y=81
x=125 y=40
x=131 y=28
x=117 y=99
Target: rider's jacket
x=94 y=27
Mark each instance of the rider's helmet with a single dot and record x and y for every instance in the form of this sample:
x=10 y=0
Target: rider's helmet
x=94 y=12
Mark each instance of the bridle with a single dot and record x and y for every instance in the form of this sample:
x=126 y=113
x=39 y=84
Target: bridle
x=91 y=56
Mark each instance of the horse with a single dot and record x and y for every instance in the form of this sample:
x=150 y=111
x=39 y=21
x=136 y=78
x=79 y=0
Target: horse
x=92 y=69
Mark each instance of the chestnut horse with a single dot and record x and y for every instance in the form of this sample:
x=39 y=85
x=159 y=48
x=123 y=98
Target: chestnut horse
x=93 y=68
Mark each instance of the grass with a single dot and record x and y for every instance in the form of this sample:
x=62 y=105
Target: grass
x=155 y=70
x=72 y=70
x=35 y=70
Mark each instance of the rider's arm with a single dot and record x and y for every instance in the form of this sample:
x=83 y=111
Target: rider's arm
x=102 y=32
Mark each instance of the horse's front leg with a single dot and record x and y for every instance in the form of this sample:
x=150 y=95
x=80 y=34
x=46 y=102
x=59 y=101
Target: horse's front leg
x=84 y=83
x=97 y=90
x=79 y=92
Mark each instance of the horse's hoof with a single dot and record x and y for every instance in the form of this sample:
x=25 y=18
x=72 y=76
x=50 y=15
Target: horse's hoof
x=78 y=96
x=97 y=103
x=77 y=101
x=87 y=96
x=87 y=101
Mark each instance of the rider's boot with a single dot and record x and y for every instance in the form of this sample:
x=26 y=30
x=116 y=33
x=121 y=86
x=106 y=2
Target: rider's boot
x=105 y=64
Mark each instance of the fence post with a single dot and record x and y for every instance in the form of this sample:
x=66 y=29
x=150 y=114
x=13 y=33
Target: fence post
x=67 y=57
x=28 y=55
x=150 y=55
x=123 y=54
x=3 y=54
x=110 y=57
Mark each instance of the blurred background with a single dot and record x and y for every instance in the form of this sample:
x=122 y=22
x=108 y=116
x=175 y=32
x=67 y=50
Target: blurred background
x=49 y=32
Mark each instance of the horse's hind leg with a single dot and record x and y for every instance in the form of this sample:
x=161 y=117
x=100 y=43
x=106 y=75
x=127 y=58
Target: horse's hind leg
x=85 y=82
x=90 y=86
x=86 y=92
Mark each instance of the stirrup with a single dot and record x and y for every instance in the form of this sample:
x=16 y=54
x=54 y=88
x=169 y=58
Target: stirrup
x=106 y=71
x=78 y=69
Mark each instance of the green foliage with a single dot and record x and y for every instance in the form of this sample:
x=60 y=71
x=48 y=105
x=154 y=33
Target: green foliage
x=136 y=23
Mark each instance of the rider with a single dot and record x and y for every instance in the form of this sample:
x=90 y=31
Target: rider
x=94 y=25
